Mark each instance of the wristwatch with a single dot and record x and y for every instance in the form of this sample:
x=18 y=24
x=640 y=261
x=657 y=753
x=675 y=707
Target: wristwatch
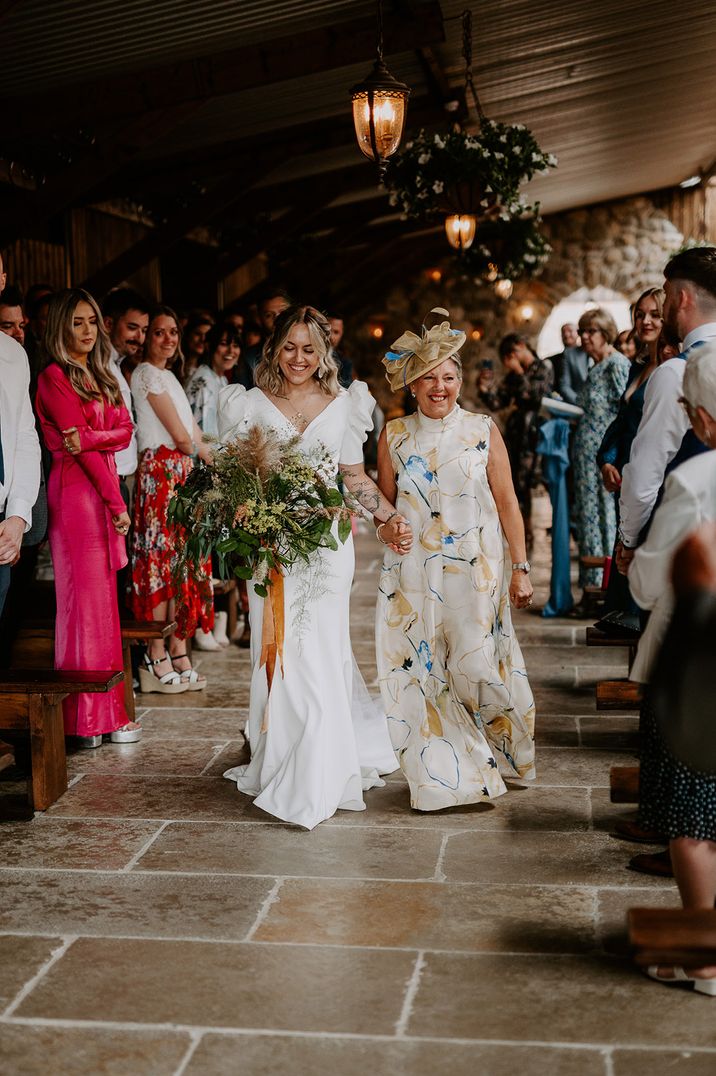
x=522 y=566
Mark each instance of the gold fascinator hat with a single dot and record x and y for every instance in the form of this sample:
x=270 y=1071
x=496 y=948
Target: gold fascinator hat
x=411 y=356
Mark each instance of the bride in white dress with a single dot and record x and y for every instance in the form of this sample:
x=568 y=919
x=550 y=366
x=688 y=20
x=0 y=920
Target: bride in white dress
x=317 y=739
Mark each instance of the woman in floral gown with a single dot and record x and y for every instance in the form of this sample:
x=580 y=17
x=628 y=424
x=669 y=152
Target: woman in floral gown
x=599 y=398
x=454 y=686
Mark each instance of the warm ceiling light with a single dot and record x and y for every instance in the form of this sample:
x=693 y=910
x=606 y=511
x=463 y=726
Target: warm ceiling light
x=492 y=271
x=377 y=332
x=476 y=334
x=435 y=275
x=692 y=181
x=503 y=289
x=526 y=312
x=379 y=106
x=460 y=230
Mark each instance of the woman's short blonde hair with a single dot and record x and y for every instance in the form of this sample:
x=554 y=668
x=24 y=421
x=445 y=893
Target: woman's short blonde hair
x=268 y=374
x=600 y=319
x=700 y=379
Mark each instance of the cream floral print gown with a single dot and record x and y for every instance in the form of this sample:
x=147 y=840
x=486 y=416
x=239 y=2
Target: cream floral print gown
x=459 y=705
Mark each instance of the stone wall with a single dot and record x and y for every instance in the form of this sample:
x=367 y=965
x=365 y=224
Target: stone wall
x=621 y=246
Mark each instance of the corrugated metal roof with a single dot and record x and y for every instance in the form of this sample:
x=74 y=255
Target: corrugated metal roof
x=65 y=41
x=622 y=91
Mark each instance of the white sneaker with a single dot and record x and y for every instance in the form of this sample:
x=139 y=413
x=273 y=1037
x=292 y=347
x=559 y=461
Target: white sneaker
x=204 y=640
x=219 y=632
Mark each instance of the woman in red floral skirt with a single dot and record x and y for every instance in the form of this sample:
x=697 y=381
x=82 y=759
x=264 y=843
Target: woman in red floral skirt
x=167 y=438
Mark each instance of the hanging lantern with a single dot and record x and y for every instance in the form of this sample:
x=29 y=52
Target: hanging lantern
x=503 y=288
x=460 y=230
x=379 y=108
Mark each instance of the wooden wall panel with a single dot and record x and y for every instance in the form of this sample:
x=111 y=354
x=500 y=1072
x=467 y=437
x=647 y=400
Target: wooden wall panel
x=96 y=237
x=35 y=261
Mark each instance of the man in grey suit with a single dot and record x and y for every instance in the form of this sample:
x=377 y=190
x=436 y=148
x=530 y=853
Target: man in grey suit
x=571 y=366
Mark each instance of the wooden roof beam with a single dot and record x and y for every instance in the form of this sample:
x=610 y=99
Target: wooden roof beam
x=167 y=234
x=120 y=144
x=195 y=80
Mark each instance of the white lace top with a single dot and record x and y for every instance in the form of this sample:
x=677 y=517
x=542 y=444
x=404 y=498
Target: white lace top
x=151 y=433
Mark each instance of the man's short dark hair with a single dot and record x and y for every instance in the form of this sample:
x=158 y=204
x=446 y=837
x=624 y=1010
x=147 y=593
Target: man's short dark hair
x=697 y=265
x=118 y=302
x=270 y=291
x=510 y=342
x=11 y=296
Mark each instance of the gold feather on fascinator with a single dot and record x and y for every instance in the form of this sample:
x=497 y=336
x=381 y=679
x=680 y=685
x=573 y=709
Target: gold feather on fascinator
x=411 y=356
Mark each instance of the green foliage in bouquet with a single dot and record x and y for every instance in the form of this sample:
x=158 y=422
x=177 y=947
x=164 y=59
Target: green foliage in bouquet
x=260 y=505
x=432 y=172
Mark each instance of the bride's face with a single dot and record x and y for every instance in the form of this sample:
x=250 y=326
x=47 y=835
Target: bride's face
x=297 y=359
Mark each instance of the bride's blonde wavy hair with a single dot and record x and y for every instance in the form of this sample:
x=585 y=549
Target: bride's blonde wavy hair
x=101 y=384
x=268 y=374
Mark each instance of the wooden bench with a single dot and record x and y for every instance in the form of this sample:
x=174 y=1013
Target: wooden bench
x=618 y=695
x=600 y=638
x=31 y=701
x=672 y=936
x=35 y=647
x=624 y=784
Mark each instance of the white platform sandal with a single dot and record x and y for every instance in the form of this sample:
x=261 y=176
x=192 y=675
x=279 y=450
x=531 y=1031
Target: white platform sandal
x=189 y=677
x=701 y=986
x=169 y=684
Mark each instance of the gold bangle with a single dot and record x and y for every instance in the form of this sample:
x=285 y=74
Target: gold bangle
x=378 y=529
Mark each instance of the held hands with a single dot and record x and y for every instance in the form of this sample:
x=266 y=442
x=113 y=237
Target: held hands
x=396 y=534
x=624 y=558
x=71 y=440
x=520 y=590
x=121 y=523
x=11 y=532
x=611 y=478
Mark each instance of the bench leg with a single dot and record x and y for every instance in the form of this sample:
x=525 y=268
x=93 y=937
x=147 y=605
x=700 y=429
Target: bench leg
x=47 y=745
x=128 y=689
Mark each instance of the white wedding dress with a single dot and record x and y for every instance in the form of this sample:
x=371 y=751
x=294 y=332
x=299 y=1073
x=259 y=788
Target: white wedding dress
x=324 y=740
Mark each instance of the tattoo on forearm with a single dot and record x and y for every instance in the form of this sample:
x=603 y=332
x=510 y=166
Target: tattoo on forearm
x=363 y=489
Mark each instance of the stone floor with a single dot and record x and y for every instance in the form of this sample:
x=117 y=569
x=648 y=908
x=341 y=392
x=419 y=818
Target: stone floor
x=155 y=923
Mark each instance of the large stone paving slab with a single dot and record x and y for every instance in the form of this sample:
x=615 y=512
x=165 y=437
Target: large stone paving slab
x=299 y=988
x=151 y=905
x=577 y=999
x=214 y=724
x=186 y=757
x=266 y=1055
x=31 y=1051
x=73 y=843
x=430 y=916
x=104 y=796
x=370 y=852
x=526 y=859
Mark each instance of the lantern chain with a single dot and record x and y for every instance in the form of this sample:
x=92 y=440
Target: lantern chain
x=467 y=55
x=379 y=17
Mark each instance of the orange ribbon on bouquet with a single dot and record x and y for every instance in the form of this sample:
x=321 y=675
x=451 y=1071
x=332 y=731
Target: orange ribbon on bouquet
x=272 y=631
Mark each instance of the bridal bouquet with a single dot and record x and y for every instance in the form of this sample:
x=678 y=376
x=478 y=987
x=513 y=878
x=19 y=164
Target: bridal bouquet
x=261 y=505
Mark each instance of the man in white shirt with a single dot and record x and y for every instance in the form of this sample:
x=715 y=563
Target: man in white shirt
x=19 y=455
x=126 y=317
x=664 y=438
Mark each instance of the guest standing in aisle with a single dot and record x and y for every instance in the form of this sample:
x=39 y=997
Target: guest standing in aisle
x=594 y=508
x=167 y=438
x=84 y=422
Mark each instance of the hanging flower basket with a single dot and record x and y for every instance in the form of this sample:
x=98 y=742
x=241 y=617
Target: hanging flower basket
x=507 y=249
x=459 y=172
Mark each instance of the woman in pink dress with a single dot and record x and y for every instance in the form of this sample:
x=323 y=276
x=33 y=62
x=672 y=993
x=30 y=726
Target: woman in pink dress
x=84 y=422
